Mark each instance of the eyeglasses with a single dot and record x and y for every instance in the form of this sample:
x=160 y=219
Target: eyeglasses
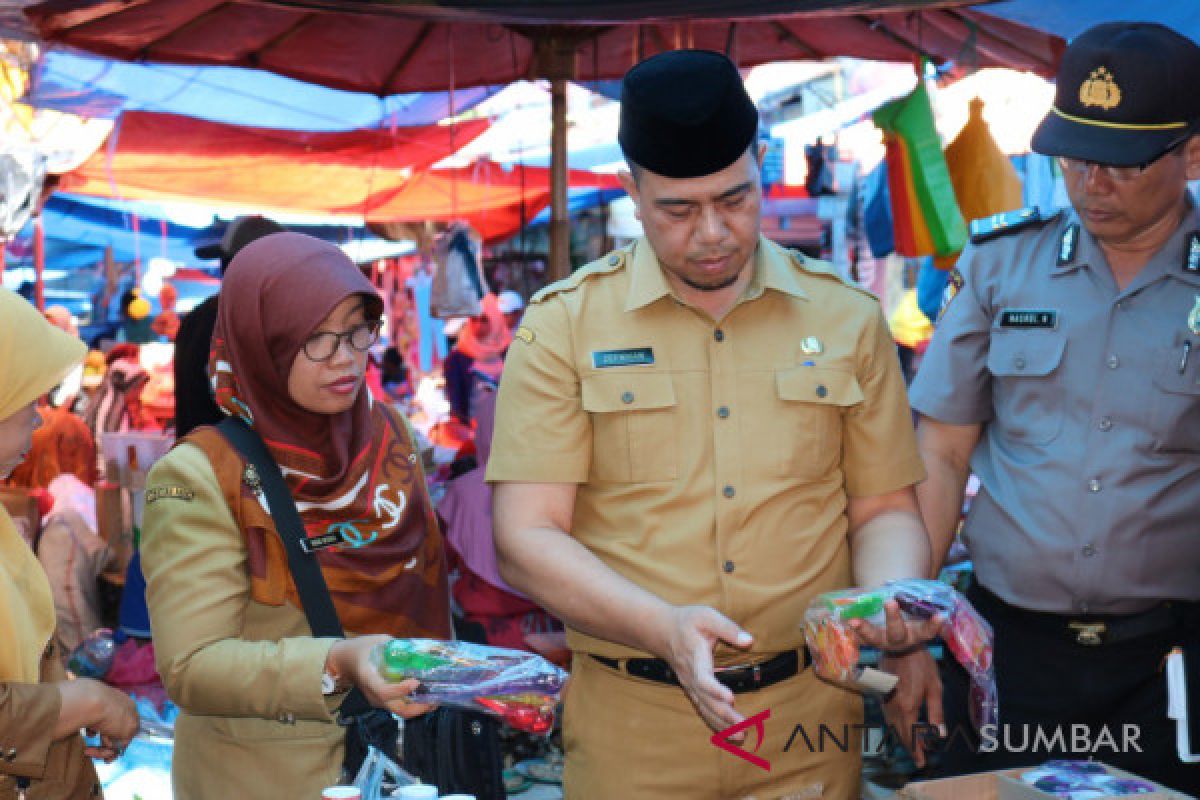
x=322 y=346
x=1119 y=174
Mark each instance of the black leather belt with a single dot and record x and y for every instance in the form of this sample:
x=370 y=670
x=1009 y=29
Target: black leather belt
x=739 y=679
x=1091 y=630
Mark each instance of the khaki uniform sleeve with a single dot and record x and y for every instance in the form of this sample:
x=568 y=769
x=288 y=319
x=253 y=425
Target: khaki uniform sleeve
x=28 y=715
x=953 y=384
x=198 y=589
x=879 y=445
x=542 y=434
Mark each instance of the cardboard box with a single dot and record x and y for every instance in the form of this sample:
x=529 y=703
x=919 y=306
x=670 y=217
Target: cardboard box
x=1006 y=785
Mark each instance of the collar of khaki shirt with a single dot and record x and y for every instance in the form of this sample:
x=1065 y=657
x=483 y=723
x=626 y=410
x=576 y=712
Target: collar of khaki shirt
x=773 y=269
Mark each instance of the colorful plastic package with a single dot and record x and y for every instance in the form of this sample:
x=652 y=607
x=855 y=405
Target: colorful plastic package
x=968 y=636
x=520 y=688
x=1083 y=780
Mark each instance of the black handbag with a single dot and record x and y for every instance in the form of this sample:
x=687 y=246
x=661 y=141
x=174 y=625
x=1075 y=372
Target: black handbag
x=455 y=749
x=366 y=726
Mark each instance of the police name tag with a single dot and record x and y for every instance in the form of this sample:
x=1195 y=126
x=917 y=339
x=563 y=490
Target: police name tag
x=1028 y=318
x=314 y=543
x=634 y=357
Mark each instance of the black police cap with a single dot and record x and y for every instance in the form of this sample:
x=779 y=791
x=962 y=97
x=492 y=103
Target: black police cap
x=1124 y=95
x=685 y=113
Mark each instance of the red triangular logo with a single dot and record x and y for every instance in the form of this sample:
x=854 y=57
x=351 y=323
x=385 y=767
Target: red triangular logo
x=721 y=739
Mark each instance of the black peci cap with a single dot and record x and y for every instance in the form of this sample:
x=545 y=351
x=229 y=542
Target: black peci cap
x=240 y=232
x=1124 y=95
x=685 y=113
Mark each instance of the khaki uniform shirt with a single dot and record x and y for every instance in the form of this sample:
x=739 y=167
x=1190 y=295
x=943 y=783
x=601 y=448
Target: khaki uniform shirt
x=714 y=459
x=1090 y=401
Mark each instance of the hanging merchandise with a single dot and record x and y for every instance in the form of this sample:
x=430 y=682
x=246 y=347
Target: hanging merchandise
x=877 y=213
x=22 y=172
x=985 y=181
x=458 y=283
x=911 y=232
x=431 y=338
x=910 y=120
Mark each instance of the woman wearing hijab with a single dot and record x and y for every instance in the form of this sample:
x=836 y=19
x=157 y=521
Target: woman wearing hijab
x=42 y=754
x=478 y=356
x=258 y=692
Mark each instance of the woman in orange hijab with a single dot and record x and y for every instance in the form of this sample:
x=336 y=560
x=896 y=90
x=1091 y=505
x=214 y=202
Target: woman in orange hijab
x=258 y=692
x=41 y=713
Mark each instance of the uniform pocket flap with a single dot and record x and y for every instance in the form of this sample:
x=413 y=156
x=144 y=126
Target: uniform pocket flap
x=832 y=387
x=627 y=391
x=1033 y=355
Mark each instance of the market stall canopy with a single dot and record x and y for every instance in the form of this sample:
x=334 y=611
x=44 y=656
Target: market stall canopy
x=100 y=88
x=1069 y=18
x=387 y=48
x=380 y=176
x=167 y=157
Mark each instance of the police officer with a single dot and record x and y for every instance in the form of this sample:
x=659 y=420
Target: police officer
x=695 y=436
x=1064 y=374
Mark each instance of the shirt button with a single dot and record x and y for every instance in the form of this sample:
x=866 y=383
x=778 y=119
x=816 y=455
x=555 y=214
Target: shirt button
x=728 y=566
x=627 y=398
x=1093 y=485
x=1122 y=305
x=1019 y=362
x=1113 y=362
x=1089 y=550
x=11 y=755
x=822 y=391
x=1106 y=424
x=728 y=491
x=723 y=412
x=719 y=335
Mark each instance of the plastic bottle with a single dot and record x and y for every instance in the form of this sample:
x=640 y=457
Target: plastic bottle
x=93 y=657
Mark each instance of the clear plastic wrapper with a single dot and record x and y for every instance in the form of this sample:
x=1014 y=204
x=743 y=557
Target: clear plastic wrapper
x=1083 y=780
x=968 y=636
x=520 y=688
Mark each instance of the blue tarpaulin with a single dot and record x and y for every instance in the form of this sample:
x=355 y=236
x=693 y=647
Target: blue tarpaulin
x=91 y=86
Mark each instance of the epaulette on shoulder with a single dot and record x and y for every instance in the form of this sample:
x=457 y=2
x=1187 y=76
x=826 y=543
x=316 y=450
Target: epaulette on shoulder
x=610 y=263
x=815 y=266
x=1008 y=222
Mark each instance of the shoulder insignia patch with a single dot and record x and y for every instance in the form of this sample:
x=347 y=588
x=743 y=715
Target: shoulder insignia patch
x=1007 y=222
x=524 y=334
x=156 y=493
x=954 y=282
x=610 y=263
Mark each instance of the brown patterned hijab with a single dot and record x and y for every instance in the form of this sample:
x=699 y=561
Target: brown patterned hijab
x=354 y=474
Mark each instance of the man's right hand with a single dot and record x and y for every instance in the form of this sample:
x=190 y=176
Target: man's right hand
x=694 y=632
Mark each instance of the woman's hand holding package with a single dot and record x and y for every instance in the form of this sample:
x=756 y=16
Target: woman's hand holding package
x=351 y=658
x=99 y=709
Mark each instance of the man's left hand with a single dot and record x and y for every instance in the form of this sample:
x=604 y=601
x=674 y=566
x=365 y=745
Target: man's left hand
x=919 y=685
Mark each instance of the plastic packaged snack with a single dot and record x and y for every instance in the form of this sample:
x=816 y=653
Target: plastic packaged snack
x=520 y=688
x=967 y=635
x=1083 y=780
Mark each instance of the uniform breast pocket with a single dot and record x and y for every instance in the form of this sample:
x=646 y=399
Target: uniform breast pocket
x=813 y=400
x=1176 y=417
x=1024 y=365
x=634 y=426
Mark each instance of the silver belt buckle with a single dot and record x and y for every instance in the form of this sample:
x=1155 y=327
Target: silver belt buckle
x=1089 y=634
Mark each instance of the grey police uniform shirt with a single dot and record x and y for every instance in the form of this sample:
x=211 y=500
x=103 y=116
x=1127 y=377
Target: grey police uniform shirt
x=1089 y=397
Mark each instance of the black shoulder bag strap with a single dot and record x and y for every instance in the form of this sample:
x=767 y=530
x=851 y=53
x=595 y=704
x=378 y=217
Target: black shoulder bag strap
x=310 y=583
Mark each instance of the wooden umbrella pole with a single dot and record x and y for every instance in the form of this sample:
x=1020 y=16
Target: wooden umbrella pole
x=560 y=231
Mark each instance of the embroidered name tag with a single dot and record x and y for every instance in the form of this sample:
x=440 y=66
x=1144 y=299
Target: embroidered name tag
x=1028 y=318
x=314 y=543
x=156 y=493
x=637 y=356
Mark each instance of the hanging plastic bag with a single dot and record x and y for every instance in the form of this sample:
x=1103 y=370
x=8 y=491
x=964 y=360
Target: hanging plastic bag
x=458 y=281
x=911 y=119
x=379 y=776
x=985 y=181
